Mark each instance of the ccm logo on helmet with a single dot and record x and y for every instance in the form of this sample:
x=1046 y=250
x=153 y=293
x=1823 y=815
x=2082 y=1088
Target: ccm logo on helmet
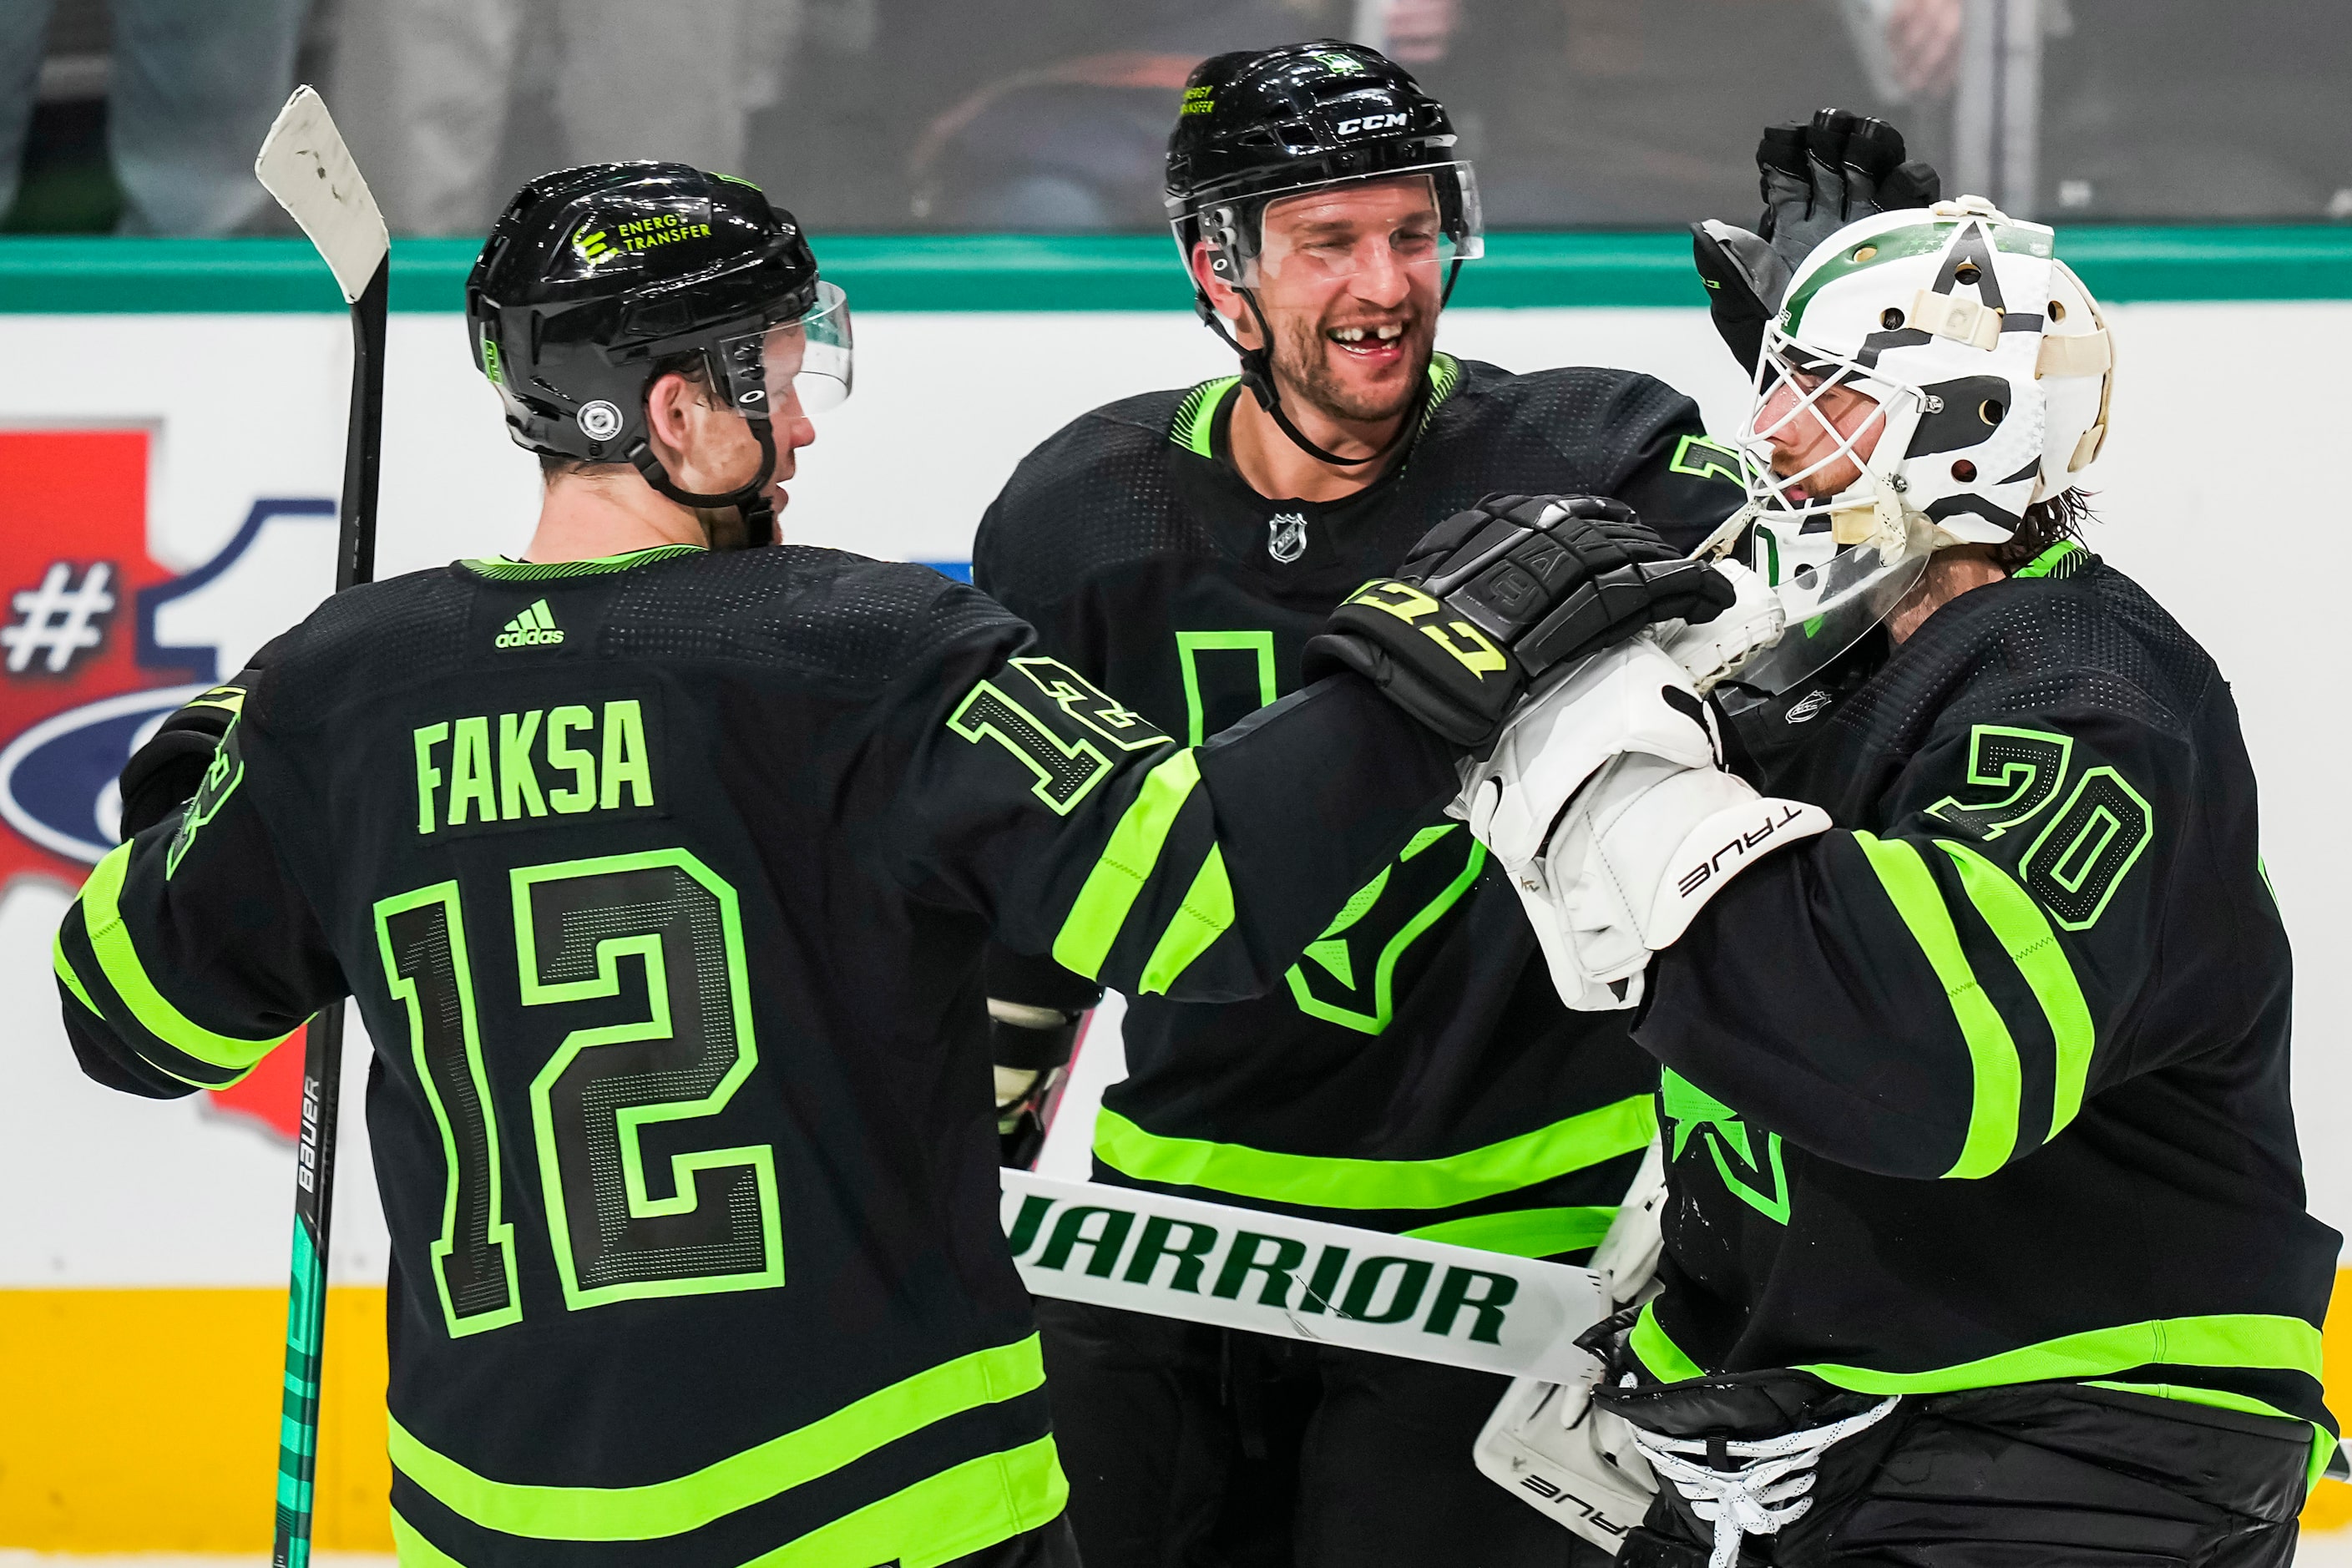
x=1372 y=122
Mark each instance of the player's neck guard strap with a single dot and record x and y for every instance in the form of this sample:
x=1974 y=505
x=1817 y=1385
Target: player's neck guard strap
x=750 y=500
x=1257 y=374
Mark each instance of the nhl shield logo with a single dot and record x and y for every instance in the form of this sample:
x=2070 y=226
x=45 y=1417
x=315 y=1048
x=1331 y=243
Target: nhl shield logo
x=1286 y=536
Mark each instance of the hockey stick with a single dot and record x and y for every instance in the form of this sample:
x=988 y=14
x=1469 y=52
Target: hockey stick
x=304 y=163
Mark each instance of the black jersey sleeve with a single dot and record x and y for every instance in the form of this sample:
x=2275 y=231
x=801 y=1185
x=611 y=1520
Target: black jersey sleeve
x=1078 y=830
x=1681 y=483
x=189 y=953
x=1937 y=999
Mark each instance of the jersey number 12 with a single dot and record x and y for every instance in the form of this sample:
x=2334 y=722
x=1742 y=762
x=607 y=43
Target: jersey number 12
x=709 y=1220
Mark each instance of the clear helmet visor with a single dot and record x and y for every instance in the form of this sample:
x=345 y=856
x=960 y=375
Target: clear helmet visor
x=1423 y=221
x=803 y=365
x=1831 y=607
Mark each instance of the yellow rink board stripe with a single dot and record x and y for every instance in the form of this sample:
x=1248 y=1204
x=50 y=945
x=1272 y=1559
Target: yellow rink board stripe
x=147 y=1420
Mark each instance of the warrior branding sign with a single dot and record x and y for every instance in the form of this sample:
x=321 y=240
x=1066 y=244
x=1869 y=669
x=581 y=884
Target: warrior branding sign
x=1301 y=1280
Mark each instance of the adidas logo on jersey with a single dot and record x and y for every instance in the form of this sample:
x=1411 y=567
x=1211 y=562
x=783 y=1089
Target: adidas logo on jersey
x=535 y=627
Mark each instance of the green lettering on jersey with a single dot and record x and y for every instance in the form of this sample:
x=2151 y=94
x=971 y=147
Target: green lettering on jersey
x=1703 y=458
x=562 y=756
x=1381 y=928
x=518 y=779
x=428 y=777
x=1762 y=1184
x=1191 y=645
x=463 y=780
x=624 y=755
x=470 y=779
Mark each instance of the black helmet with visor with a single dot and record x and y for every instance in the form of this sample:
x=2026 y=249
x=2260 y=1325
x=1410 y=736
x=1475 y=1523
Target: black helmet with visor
x=595 y=281
x=1260 y=126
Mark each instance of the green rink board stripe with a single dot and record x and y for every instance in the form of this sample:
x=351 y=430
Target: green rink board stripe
x=1625 y=1127
x=119 y=961
x=1525 y=1232
x=1126 y=864
x=101 y=275
x=2018 y=921
x=1992 y=1053
x=669 y=1507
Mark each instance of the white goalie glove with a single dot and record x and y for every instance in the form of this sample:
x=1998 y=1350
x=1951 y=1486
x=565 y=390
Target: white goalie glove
x=1606 y=803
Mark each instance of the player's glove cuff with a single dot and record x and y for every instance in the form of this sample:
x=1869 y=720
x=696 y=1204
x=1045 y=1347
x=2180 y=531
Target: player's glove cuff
x=1495 y=596
x=165 y=773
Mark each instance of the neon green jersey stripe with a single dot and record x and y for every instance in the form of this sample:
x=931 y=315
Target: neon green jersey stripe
x=667 y=1508
x=2224 y=1340
x=540 y=571
x=1204 y=915
x=65 y=968
x=953 y=1514
x=102 y=915
x=2323 y=1441
x=2050 y=560
x=1993 y=1054
x=1525 y=1232
x=1196 y=417
x=413 y=1550
x=1658 y=1351
x=1126 y=863
x=2025 y=932
x=1323 y=1182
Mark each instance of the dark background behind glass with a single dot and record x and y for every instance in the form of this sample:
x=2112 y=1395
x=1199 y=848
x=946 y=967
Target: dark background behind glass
x=1048 y=116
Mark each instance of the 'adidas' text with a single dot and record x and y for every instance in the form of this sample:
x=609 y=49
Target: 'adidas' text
x=535 y=627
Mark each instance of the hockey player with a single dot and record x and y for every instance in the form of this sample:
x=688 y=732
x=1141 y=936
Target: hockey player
x=1986 y=1240
x=1415 y=1073
x=660 y=868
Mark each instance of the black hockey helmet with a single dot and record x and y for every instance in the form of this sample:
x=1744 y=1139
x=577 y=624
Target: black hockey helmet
x=1258 y=125
x=596 y=280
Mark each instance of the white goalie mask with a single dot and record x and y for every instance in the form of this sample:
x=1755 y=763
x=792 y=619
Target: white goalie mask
x=1990 y=364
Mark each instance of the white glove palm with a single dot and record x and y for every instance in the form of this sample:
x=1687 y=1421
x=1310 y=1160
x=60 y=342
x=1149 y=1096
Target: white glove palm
x=1606 y=803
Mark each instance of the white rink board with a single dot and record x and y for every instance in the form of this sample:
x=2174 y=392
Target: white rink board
x=242 y=407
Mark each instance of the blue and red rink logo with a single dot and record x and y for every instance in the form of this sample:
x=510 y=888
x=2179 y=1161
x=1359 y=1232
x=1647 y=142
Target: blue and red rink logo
x=99 y=641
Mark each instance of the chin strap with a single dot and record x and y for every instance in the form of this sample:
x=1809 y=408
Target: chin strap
x=750 y=501
x=1257 y=374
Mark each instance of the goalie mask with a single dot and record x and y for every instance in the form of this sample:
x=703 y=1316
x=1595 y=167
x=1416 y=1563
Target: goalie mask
x=1990 y=365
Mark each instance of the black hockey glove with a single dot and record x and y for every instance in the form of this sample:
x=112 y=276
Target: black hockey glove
x=1494 y=596
x=1814 y=179
x=165 y=773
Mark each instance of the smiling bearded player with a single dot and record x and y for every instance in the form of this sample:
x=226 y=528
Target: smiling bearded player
x=1416 y=1074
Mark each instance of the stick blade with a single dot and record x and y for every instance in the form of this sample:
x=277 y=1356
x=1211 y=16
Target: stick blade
x=304 y=163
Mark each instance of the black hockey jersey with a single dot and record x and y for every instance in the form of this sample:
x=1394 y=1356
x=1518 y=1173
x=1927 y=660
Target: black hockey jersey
x=1415 y=1071
x=662 y=882
x=1989 y=1084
